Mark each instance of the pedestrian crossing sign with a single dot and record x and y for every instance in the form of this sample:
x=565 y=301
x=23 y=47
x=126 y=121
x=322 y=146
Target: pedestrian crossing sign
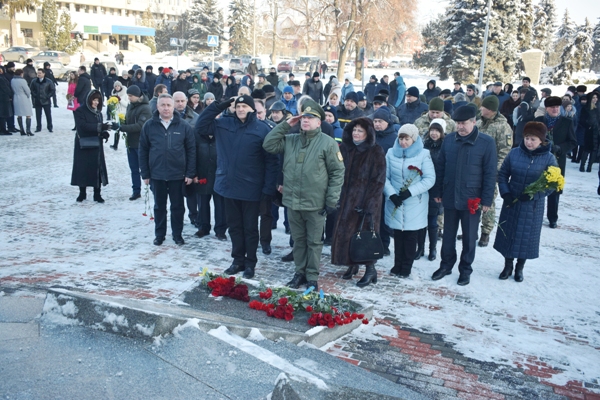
x=174 y=42
x=213 y=41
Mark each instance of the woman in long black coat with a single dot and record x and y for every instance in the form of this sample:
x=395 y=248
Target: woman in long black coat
x=89 y=167
x=6 y=95
x=362 y=191
x=590 y=120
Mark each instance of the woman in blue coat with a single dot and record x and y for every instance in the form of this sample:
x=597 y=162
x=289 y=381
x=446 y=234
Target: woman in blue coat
x=521 y=218
x=406 y=210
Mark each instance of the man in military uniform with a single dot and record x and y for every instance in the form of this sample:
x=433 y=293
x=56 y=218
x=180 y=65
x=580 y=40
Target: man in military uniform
x=436 y=110
x=313 y=174
x=495 y=125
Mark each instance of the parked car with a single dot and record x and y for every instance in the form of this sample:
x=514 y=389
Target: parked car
x=333 y=64
x=51 y=55
x=236 y=64
x=19 y=53
x=383 y=64
x=60 y=71
x=304 y=61
x=286 y=66
x=394 y=64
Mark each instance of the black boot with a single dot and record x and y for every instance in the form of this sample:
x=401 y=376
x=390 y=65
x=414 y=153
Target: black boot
x=297 y=280
x=352 y=270
x=508 y=268
x=115 y=145
x=420 y=243
x=519 y=270
x=433 y=237
x=28 y=127
x=97 y=196
x=82 y=195
x=20 y=121
x=369 y=276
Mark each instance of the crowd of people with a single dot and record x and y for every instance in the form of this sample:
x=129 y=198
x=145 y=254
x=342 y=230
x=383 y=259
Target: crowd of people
x=408 y=164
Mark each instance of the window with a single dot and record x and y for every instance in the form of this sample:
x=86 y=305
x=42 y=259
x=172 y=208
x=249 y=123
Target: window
x=28 y=33
x=95 y=10
x=77 y=8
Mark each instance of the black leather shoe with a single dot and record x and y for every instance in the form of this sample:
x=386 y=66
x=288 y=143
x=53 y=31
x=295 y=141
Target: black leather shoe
x=296 y=281
x=178 y=240
x=135 y=196
x=98 y=198
x=552 y=225
x=201 y=233
x=221 y=236
x=288 y=257
x=432 y=255
x=351 y=271
x=266 y=249
x=158 y=241
x=463 y=280
x=440 y=273
x=420 y=253
x=13 y=130
x=38 y=129
x=249 y=272
x=234 y=269
x=314 y=284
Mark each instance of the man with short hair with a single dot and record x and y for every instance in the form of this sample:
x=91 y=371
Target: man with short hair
x=546 y=92
x=500 y=93
x=138 y=112
x=158 y=90
x=561 y=134
x=495 y=125
x=526 y=83
x=436 y=110
x=314 y=88
x=84 y=85
x=412 y=109
x=349 y=110
x=167 y=155
x=457 y=89
x=150 y=79
x=50 y=76
x=42 y=90
x=247 y=174
x=466 y=170
x=471 y=93
x=98 y=72
x=313 y=171
x=261 y=81
x=297 y=89
x=371 y=89
x=29 y=72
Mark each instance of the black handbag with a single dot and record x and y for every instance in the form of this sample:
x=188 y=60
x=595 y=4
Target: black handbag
x=366 y=246
x=88 y=142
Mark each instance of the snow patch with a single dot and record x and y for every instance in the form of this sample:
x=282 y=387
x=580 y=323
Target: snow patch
x=255 y=335
x=307 y=345
x=55 y=313
x=115 y=320
x=374 y=332
x=315 y=330
x=145 y=329
x=222 y=333
x=314 y=367
x=191 y=323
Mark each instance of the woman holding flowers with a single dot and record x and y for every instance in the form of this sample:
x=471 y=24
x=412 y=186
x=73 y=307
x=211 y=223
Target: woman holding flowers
x=528 y=174
x=117 y=105
x=409 y=175
x=364 y=162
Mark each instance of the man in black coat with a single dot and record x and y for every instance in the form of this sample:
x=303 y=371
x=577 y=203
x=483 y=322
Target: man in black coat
x=29 y=72
x=466 y=171
x=562 y=136
x=98 y=72
x=167 y=155
x=314 y=88
x=6 y=108
x=138 y=112
x=84 y=85
x=42 y=90
x=50 y=76
x=150 y=79
x=349 y=110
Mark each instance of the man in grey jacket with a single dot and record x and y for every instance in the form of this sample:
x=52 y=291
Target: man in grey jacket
x=167 y=157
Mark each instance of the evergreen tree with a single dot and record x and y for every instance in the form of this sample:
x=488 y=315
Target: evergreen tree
x=502 y=51
x=433 y=35
x=525 y=28
x=566 y=30
x=549 y=9
x=576 y=55
x=49 y=23
x=596 y=52
x=205 y=19
x=148 y=20
x=540 y=31
x=240 y=27
x=63 y=39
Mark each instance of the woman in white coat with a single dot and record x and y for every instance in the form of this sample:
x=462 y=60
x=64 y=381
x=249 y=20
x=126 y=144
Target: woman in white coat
x=410 y=174
x=121 y=108
x=22 y=102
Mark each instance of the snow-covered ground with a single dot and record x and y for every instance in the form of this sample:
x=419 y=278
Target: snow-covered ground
x=47 y=238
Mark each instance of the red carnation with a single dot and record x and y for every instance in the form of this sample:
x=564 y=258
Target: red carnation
x=331 y=324
x=360 y=316
x=309 y=308
x=365 y=321
x=289 y=317
x=473 y=204
x=283 y=301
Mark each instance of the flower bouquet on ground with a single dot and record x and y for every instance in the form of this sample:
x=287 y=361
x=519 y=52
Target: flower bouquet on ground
x=413 y=171
x=550 y=179
x=227 y=286
x=112 y=104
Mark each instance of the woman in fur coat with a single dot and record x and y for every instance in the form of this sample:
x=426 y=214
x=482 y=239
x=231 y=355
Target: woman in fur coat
x=364 y=179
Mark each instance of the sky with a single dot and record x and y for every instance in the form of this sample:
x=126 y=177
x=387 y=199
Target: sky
x=578 y=9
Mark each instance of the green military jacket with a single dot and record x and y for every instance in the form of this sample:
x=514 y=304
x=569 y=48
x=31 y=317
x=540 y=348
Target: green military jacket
x=313 y=167
x=423 y=122
x=498 y=129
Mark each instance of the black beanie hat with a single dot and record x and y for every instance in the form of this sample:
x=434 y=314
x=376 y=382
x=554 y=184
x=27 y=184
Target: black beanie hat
x=316 y=75
x=245 y=99
x=259 y=94
x=134 y=91
x=268 y=89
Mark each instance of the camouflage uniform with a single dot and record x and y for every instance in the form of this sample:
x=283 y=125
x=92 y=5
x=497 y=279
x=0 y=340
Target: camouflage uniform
x=424 y=121
x=499 y=129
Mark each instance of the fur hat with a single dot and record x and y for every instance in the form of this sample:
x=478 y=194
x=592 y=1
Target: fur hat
x=379 y=99
x=491 y=103
x=581 y=89
x=436 y=104
x=464 y=113
x=537 y=129
x=134 y=91
x=445 y=91
x=268 y=89
x=413 y=91
x=351 y=96
x=259 y=94
x=552 y=101
x=383 y=113
x=9 y=64
x=459 y=97
x=245 y=99
x=409 y=130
